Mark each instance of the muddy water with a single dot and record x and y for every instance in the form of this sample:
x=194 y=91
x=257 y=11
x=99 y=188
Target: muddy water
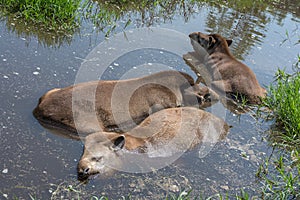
x=37 y=163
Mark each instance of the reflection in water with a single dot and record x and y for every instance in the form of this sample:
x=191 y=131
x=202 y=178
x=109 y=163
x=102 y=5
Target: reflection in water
x=280 y=9
x=246 y=20
x=106 y=14
x=248 y=28
x=45 y=38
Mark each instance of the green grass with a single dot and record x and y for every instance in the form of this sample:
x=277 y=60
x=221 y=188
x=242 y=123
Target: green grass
x=284 y=100
x=50 y=14
x=280 y=174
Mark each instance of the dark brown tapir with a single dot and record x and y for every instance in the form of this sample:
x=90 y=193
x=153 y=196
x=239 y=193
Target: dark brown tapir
x=227 y=74
x=118 y=105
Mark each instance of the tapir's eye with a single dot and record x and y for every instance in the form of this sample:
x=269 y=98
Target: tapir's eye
x=86 y=170
x=97 y=159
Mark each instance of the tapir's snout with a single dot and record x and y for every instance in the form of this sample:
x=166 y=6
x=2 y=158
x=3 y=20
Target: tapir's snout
x=83 y=170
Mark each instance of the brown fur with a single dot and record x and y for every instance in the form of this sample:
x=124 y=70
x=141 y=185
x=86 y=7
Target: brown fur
x=228 y=74
x=168 y=131
x=117 y=105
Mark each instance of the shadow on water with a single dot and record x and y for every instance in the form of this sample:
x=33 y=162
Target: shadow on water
x=43 y=165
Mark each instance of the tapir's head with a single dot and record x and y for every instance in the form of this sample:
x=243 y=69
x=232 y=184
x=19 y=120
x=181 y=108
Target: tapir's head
x=101 y=152
x=209 y=42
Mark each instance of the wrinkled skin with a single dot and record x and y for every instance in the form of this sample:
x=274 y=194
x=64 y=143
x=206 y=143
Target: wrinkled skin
x=117 y=105
x=166 y=132
x=227 y=73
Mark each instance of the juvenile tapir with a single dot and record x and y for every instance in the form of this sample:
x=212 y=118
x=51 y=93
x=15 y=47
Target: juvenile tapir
x=162 y=134
x=117 y=105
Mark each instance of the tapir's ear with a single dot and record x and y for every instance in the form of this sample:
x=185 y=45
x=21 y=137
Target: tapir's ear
x=211 y=41
x=118 y=142
x=229 y=42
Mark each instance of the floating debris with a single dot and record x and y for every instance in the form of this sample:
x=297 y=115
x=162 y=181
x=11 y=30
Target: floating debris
x=224 y=187
x=174 y=188
x=5 y=171
x=36 y=73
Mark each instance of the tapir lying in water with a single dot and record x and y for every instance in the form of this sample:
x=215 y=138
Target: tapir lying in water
x=118 y=105
x=227 y=74
x=165 y=132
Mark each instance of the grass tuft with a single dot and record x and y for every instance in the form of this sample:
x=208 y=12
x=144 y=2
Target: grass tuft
x=51 y=14
x=281 y=175
x=283 y=182
x=284 y=100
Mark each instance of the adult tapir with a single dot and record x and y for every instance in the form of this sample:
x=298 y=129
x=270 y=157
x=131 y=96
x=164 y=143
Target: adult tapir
x=117 y=105
x=226 y=73
x=162 y=135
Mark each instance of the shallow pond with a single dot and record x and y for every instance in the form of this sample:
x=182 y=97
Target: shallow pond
x=37 y=163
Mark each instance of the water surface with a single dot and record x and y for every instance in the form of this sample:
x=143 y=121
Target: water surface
x=38 y=163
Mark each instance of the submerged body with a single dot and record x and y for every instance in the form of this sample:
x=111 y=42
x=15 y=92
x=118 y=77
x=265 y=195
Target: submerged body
x=162 y=134
x=227 y=73
x=117 y=105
